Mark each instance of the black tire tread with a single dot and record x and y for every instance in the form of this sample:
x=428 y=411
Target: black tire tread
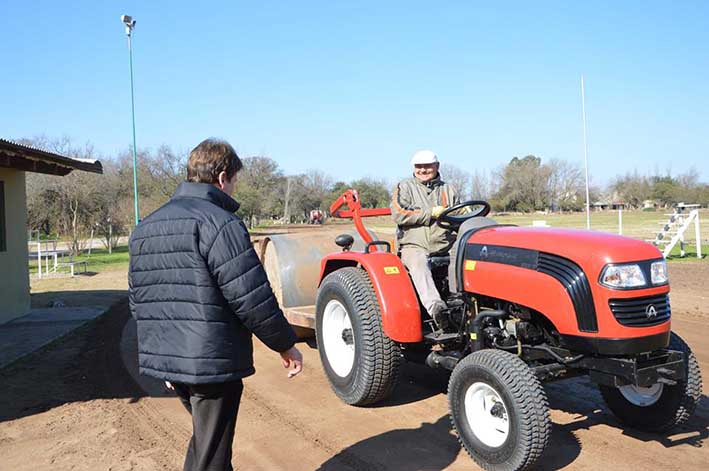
x=380 y=357
x=690 y=398
x=693 y=389
x=529 y=396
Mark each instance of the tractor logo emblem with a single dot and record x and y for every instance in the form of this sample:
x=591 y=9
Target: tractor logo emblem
x=483 y=252
x=651 y=312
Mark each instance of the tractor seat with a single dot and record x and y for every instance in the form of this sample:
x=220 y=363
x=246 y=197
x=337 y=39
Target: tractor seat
x=438 y=261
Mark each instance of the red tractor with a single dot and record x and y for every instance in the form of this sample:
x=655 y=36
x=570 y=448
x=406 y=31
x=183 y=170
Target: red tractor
x=534 y=305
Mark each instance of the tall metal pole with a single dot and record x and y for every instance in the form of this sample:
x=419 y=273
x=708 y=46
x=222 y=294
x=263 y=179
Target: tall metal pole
x=697 y=235
x=585 y=156
x=129 y=29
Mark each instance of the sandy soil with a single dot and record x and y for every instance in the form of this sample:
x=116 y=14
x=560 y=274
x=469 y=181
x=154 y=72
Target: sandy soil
x=95 y=289
x=79 y=405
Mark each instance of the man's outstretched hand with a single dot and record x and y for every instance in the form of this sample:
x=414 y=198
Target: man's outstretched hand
x=292 y=358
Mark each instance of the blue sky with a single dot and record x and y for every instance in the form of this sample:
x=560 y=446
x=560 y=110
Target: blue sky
x=354 y=88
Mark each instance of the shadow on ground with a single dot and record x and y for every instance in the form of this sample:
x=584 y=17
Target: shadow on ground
x=435 y=446
x=81 y=366
x=77 y=298
x=580 y=396
x=416 y=383
x=432 y=446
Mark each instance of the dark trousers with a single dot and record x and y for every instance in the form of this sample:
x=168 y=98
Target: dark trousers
x=213 y=408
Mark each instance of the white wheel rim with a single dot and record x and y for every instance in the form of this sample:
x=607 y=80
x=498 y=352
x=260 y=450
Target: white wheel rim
x=335 y=326
x=486 y=414
x=640 y=396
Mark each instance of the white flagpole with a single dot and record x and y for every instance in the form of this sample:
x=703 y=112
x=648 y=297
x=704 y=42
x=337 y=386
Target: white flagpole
x=585 y=155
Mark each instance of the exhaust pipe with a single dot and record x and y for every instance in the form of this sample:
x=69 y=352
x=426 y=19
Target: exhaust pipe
x=436 y=360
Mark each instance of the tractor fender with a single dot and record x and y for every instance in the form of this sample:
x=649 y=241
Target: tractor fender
x=401 y=316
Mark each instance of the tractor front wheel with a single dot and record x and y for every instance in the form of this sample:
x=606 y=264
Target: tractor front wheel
x=659 y=407
x=360 y=361
x=499 y=409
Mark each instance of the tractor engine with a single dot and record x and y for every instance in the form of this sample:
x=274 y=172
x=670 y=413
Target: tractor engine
x=519 y=327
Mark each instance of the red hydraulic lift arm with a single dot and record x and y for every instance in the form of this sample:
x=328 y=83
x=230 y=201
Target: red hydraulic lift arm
x=350 y=199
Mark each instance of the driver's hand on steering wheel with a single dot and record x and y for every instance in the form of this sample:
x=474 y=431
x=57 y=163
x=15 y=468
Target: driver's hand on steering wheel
x=437 y=210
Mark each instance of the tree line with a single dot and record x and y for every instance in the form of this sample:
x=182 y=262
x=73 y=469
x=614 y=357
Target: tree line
x=664 y=190
x=81 y=204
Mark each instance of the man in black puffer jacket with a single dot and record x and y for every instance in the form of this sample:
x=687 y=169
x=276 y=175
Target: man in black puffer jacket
x=198 y=291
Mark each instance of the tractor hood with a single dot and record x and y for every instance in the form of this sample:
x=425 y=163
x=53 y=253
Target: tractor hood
x=581 y=246
x=556 y=272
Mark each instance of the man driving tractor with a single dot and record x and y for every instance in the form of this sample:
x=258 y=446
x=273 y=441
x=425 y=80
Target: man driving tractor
x=416 y=205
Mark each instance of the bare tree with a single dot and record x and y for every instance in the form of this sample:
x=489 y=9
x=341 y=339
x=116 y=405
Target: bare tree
x=458 y=178
x=482 y=186
x=566 y=185
x=168 y=169
x=109 y=217
x=287 y=199
x=259 y=189
x=317 y=185
x=64 y=203
x=633 y=188
x=306 y=192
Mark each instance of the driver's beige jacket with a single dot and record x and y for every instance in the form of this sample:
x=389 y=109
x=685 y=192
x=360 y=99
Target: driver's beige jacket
x=411 y=206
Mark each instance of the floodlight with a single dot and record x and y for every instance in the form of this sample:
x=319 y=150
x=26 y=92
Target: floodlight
x=129 y=22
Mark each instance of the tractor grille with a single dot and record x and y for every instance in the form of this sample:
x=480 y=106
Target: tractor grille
x=641 y=312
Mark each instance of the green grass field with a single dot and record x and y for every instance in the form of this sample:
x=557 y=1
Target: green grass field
x=637 y=224
x=99 y=260
x=641 y=225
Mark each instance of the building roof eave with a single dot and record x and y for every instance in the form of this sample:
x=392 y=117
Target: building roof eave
x=30 y=159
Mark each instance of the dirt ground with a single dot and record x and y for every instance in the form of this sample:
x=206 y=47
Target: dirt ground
x=79 y=405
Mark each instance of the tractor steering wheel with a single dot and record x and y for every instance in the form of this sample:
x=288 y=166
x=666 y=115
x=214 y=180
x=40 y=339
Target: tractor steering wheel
x=447 y=220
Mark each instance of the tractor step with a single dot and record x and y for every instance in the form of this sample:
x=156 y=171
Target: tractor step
x=440 y=337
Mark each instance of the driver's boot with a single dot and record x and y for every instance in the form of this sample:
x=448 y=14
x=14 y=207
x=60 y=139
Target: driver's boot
x=440 y=317
x=455 y=301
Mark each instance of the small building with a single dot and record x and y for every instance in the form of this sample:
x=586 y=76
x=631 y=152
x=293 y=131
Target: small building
x=649 y=204
x=608 y=205
x=15 y=161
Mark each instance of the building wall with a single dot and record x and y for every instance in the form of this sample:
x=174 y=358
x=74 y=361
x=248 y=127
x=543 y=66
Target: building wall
x=15 y=283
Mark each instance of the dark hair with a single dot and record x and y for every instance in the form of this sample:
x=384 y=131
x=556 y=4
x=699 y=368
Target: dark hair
x=210 y=158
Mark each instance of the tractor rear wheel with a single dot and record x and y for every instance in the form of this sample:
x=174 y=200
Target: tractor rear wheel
x=360 y=361
x=499 y=409
x=659 y=407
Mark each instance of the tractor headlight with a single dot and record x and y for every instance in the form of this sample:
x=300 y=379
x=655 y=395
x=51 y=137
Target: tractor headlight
x=658 y=272
x=623 y=276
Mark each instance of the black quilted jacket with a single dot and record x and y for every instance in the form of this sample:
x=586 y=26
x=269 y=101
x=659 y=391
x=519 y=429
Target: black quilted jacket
x=198 y=291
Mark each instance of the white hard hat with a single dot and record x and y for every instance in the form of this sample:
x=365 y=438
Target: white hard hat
x=424 y=157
